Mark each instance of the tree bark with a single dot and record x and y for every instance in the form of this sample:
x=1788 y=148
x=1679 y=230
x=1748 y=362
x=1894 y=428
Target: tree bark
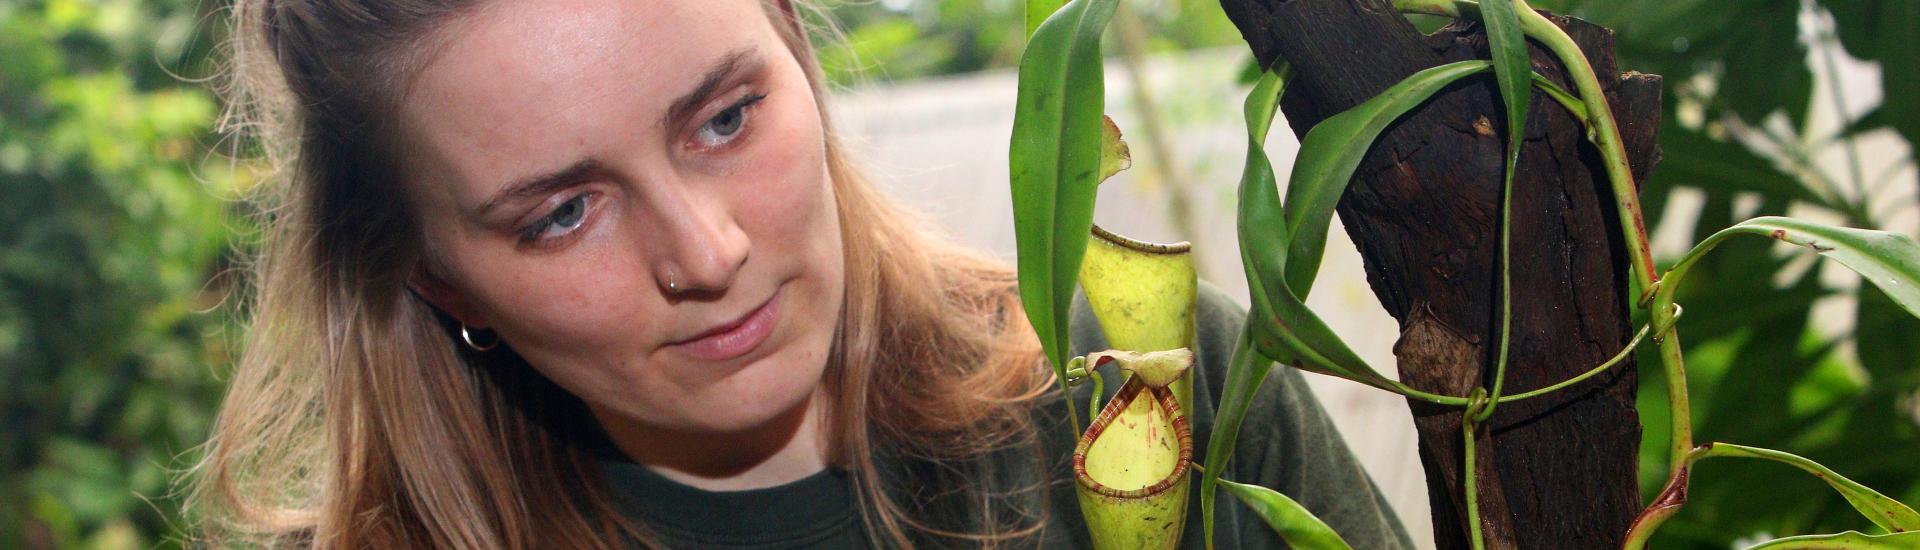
x=1557 y=471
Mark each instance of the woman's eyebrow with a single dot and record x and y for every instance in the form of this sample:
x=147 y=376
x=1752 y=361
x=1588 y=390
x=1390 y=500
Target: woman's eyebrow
x=735 y=62
x=538 y=185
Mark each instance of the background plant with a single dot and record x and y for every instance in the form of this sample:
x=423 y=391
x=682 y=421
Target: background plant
x=113 y=227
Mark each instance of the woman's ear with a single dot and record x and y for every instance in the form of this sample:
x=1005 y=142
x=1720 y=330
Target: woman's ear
x=433 y=288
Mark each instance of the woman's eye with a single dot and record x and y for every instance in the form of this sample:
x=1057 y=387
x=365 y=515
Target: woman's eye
x=561 y=222
x=724 y=127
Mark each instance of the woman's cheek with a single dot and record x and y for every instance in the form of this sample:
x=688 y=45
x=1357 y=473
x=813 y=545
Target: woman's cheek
x=785 y=187
x=580 y=303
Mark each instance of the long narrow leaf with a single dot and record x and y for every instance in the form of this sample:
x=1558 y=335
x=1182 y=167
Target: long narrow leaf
x=1281 y=248
x=1331 y=152
x=1883 y=511
x=1249 y=367
x=1039 y=10
x=1244 y=376
x=1890 y=261
x=1850 y=540
x=1055 y=163
x=1512 y=69
x=1282 y=327
x=1297 y=526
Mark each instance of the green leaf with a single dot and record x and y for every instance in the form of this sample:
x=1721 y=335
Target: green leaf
x=1891 y=261
x=1248 y=368
x=1282 y=327
x=1512 y=69
x=1885 y=512
x=1055 y=162
x=1038 y=11
x=1279 y=325
x=1281 y=246
x=1850 y=540
x=1297 y=526
x=1331 y=152
x=1245 y=373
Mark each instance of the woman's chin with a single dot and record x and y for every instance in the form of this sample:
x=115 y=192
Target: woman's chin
x=770 y=415
x=765 y=394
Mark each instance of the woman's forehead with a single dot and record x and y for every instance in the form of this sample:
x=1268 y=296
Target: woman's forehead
x=513 y=57
x=516 y=82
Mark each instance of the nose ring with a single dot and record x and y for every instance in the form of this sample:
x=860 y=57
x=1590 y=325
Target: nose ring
x=671 y=286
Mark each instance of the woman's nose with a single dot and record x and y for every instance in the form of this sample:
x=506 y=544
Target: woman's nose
x=707 y=246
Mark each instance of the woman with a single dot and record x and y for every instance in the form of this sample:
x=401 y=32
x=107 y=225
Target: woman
x=592 y=273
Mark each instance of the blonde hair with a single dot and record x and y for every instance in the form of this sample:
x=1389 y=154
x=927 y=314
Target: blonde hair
x=355 y=420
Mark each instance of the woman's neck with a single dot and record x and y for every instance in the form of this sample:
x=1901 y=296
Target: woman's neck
x=787 y=448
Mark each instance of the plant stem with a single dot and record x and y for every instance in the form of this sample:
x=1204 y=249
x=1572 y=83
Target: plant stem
x=1562 y=96
x=1099 y=388
x=1409 y=391
x=1606 y=135
x=1077 y=374
x=1617 y=358
x=1473 y=495
x=1443 y=8
x=1665 y=505
x=1515 y=131
x=1883 y=511
x=1624 y=353
x=1467 y=425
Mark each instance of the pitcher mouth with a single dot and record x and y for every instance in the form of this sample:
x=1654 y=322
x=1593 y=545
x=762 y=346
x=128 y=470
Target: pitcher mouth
x=1175 y=416
x=1130 y=243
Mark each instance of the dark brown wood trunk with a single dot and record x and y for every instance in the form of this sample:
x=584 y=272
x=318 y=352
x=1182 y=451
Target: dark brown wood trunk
x=1557 y=471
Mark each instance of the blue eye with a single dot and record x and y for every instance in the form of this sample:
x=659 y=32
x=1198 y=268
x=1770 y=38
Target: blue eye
x=726 y=125
x=561 y=222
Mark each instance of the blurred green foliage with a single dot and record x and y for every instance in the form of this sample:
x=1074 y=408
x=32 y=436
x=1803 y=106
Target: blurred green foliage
x=1760 y=372
x=886 y=40
x=111 y=227
x=118 y=225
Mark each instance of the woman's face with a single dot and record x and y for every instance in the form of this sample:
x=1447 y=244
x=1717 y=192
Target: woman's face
x=634 y=197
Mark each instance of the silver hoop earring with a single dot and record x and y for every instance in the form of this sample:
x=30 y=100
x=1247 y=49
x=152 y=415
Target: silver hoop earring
x=468 y=337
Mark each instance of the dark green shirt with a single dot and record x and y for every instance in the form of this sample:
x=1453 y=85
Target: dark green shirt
x=1287 y=443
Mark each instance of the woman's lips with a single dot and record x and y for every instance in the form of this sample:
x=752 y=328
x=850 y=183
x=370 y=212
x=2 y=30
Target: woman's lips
x=737 y=338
